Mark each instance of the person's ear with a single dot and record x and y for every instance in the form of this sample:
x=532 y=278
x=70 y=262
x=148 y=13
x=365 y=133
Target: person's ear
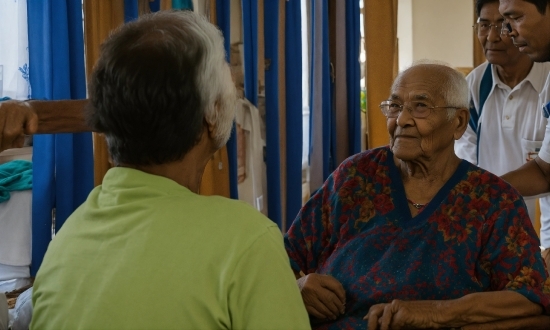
x=208 y=122
x=462 y=117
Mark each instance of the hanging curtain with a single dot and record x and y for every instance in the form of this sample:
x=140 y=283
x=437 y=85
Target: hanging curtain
x=293 y=82
x=63 y=163
x=273 y=153
x=131 y=10
x=250 y=46
x=223 y=18
x=14 y=55
x=321 y=101
x=380 y=20
x=353 y=75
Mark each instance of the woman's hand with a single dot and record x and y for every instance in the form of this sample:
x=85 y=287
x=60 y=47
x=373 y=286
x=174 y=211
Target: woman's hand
x=323 y=296
x=405 y=315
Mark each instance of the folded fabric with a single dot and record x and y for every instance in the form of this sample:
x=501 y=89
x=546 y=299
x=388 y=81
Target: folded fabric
x=14 y=176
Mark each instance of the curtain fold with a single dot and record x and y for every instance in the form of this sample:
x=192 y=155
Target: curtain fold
x=223 y=20
x=131 y=10
x=294 y=117
x=353 y=75
x=380 y=20
x=250 y=47
x=321 y=119
x=62 y=163
x=273 y=153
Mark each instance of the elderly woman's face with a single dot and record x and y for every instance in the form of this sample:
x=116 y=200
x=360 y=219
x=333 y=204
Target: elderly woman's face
x=412 y=138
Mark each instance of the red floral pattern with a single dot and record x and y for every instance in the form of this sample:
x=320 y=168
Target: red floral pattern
x=475 y=235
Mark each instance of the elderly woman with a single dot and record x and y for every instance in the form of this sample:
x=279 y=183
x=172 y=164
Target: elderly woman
x=409 y=235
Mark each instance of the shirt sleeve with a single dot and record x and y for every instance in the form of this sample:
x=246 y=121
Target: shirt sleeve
x=514 y=254
x=466 y=146
x=263 y=290
x=544 y=152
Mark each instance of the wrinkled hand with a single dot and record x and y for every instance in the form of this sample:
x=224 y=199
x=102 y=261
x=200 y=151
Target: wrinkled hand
x=16 y=119
x=405 y=315
x=323 y=296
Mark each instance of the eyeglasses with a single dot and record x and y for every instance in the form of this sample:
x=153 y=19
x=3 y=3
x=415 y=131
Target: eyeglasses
x=417 y=109
x=484 y=28
x=506 y=28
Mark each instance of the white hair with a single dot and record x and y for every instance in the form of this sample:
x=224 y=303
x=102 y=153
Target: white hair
x=454 y=88
x=214 y=82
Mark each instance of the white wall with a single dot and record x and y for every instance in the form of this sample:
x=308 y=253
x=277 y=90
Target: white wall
x=435 y=29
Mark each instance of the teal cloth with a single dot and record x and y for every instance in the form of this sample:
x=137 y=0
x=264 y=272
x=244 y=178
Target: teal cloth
x=182 y=4
x=14 y=176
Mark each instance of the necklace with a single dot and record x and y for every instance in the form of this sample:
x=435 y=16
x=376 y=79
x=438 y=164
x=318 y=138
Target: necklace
x=416 y=205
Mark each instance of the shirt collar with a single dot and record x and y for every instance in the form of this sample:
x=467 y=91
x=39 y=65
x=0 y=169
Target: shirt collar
x=536 y=78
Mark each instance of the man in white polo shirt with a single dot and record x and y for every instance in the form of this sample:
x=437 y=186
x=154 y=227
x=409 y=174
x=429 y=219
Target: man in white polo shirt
x=507 y=124
x=527 y=23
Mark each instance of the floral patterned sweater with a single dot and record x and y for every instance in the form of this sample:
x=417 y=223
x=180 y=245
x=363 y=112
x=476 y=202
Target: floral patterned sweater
x=475 y=235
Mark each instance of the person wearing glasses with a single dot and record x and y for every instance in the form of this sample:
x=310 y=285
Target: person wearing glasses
x=507 y=124
x=527 y=24
x=409 y=235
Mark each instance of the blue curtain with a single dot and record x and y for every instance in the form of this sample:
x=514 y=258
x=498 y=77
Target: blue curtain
x=353 y=75
x=293 y=84
x=321 y=119
x=273 y=157
x=130 y=10
x=250 y=45
x=62 y=163
x=154 y=5
x=223 y=16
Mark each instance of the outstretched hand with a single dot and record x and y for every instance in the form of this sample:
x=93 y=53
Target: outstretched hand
x=323 y=295
x=17 y=119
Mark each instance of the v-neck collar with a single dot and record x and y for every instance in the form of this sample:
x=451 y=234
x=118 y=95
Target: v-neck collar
x=400 y=199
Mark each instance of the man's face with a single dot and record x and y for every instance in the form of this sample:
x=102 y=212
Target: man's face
x=530 y=29
x=498 y=49
x=414 y=138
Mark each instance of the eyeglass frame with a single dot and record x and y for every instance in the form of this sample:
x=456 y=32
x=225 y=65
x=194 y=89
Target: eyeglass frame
x=491 y=25
x=401 y=106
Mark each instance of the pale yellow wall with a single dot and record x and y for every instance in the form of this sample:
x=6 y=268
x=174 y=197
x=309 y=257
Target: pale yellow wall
x=435 y=29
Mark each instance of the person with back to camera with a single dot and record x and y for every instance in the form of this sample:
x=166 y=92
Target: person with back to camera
x=411 y=236
x=145 y=251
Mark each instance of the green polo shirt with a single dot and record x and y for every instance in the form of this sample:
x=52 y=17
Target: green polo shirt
x=146 y=253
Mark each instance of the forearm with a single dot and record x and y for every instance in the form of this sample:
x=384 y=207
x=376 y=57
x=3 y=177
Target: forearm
x=530 y=179
x=486 y=307
x=66 y=116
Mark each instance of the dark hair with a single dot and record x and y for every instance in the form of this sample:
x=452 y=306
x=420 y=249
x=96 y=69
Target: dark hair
x=540 y=4
x=144 y=90
x=481 y=3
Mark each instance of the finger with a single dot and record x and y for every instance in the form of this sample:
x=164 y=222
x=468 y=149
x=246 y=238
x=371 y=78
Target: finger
x=315 y=313
x=331 y=302
x=372 y=317
x=13 y=129
x=31 y=123
x=386 y=317
x=316 y=303
x=335 y=286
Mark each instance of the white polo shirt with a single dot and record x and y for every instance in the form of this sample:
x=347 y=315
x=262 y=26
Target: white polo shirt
x=512 y=124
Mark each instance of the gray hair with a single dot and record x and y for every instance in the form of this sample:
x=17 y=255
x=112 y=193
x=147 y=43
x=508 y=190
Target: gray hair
x=454 y=87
